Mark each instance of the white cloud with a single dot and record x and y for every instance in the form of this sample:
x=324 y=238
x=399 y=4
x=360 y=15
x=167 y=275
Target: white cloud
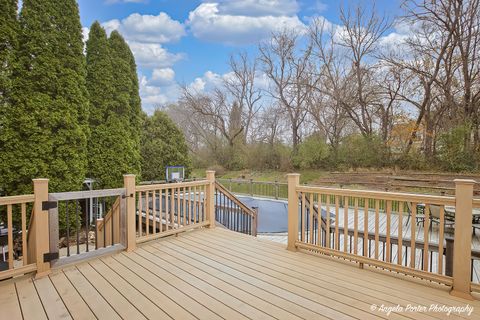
x=153 y=95
x=162 y=77
x=257 y=8
x=212 y=22
x=207 y=82
x=147 y=28
x=396 y=40
x=153 y=55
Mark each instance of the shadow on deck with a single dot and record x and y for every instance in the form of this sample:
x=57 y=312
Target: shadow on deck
x=220 y=274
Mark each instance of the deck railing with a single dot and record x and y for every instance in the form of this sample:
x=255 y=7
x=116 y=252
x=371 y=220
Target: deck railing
x=233 y=213
x=397 y=222
x=14 y=251
x=169 y=208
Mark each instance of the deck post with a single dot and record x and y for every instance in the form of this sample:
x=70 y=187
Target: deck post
x=130 y=193
x=41 y=225
x=210 y=198
x=293 y=183
x=463 y=239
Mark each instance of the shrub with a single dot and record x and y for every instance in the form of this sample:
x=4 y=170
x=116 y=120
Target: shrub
x=312 y=153
x=453 y=153
x=357 y=150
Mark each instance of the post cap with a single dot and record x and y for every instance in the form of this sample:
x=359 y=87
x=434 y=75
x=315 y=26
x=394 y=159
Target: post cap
x=293 y=174
x=210 y=171
x=40 y=180
x=465 y=181
x=129 y=175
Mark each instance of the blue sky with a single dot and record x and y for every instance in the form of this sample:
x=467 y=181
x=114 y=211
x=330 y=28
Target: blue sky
x=189 y=42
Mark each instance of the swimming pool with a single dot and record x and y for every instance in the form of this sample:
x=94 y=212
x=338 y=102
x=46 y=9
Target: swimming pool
x=272 y=214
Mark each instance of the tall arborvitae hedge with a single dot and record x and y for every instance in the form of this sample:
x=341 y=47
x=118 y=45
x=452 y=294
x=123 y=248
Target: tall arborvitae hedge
x=114 y=147
x=102 y=158
x=46 y=125
x=126 y=101
x=8 y=44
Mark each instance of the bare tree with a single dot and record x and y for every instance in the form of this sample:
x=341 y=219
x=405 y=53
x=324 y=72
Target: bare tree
x=243 y=88
x=361 y=32
x=331 y=89
x=289 y=73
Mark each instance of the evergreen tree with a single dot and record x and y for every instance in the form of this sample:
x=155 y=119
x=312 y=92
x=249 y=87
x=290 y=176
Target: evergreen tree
x=163 y=144
x=102 y=158
x=8 y=44
x=99 y=75
x=46 y=127
x=126 y=101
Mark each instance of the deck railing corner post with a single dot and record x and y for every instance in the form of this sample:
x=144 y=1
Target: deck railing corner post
x=41 y=226
x=462 y=238
x=210 y=198
x=130 y=193
x=293 y=183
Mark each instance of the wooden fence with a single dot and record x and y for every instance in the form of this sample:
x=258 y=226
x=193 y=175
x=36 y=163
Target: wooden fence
x=349 y=217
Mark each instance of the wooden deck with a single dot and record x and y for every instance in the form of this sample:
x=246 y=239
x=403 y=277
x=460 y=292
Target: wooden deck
x=218 y=274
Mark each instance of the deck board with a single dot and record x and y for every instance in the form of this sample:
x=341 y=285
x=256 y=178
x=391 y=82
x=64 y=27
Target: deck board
x=218 y=274
x=51 y=301
x=71 y=298
x=10 y=308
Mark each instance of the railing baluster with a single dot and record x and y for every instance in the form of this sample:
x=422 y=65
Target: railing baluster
x=302 y=220
x=345 y=223
x=426 y=240
x=140 y=213
x=195 y=212
x=10 y=236
x=172 y=207
x=310 y=235
x=160 y=210
x=440 y=239
x=184 y=210
x=189 y=219
x=147 y=213
x=400 y=233
x=86 y=223
x=78 y=226
x=154 y=212
x=179 y=216
x=104 y=224
x=365 y=228
x=337 y=217
x=328 y=220
x=319 y=219
x=24 y=233
x=377 y=236
x=355 y=227
x=389 y=214
x=413 y=224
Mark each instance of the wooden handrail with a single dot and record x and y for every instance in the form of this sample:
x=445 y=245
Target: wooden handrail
x=16 y=199
x=243 y=209
x=380 y=195
x=234 y=199
x=151 y=187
